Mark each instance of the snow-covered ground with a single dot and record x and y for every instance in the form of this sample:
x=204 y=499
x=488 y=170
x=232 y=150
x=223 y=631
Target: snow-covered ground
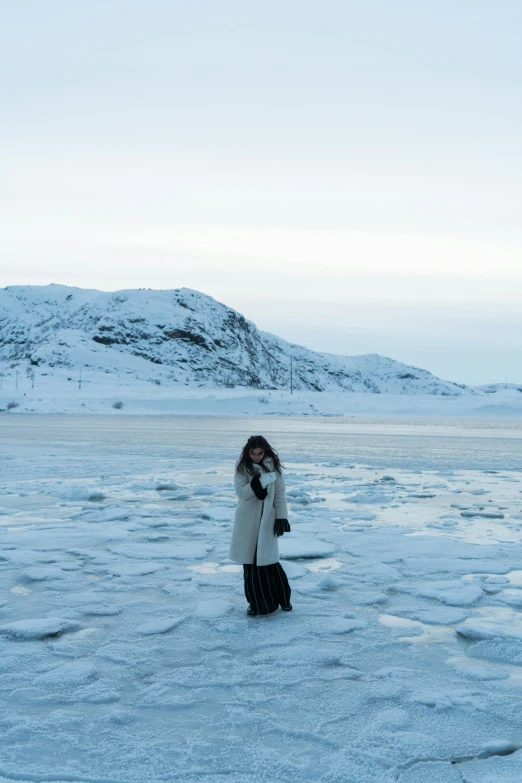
x=125 y=650
x=65 y=391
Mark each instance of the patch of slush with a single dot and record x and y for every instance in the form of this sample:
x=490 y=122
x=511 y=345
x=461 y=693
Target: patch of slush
x=452 y=592
x=159 y=626
x=427 y=634
x=496 y=769
x=38 y=628
x=492 y=622
x=497 y=651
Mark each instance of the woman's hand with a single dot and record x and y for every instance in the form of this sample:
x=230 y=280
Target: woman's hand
x=281 y=526
x=267 y=478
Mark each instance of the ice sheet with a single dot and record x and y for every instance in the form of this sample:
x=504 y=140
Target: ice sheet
x=126 y=653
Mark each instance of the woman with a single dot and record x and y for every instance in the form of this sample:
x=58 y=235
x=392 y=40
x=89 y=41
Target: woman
x=261 y=516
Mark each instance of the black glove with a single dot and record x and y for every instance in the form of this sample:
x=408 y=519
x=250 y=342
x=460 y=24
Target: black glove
x=281 y=526
x=259 y=491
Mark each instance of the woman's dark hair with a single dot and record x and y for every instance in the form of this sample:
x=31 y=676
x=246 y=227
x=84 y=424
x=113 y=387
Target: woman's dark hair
x=258 y=442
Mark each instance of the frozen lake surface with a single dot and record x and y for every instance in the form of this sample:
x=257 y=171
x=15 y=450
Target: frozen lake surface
x=378 y=442
x=125 y=651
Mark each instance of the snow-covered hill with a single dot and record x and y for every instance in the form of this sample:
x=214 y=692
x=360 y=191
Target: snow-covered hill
x=181 y=337
x=493 y=388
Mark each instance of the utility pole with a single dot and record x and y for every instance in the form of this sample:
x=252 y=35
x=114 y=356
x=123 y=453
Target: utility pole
x=17 y=379
x=80 y=380
x=32 y=379
x=291 y=375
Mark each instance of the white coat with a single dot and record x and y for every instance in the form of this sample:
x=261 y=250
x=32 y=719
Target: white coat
x=254 y=519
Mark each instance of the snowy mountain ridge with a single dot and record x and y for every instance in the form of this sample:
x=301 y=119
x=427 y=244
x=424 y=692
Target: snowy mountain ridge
x=183 y=337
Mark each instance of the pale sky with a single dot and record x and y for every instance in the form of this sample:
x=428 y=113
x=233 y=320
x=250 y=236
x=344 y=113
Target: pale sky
x=346 y=174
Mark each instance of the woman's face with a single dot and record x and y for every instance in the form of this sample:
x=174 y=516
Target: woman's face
x=256 y=455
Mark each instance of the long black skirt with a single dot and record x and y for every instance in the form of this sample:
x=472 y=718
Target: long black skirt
x=266 y=587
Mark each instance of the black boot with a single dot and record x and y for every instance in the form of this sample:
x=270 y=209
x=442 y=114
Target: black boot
x=287 y=608
x=252 y=609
